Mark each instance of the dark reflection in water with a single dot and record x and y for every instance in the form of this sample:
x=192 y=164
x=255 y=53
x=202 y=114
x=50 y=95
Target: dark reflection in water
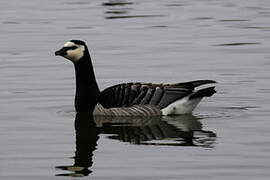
x=10 y=22
x=132 y=16
x=233 y=20
x=117 y=9
x=175 y=4
x=117 y=3
x=177 y=131
x=238 y=44
x=79 y=27
x=159 y=131
x=86 y=142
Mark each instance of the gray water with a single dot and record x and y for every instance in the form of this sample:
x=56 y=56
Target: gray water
x=227 y=137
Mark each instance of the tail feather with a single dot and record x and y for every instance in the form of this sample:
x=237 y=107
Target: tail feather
x=206 y=92
x=196 y=83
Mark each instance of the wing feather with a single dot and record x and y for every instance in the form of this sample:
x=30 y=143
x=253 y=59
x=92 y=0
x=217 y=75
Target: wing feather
x=148 y=96
x=159 y=91
x=140 y=96
x=160 y=95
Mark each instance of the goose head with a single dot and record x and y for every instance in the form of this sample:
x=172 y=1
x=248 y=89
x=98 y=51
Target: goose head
x=73 y=50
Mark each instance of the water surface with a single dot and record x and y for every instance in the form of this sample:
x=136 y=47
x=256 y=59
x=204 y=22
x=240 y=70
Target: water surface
x=150 y=41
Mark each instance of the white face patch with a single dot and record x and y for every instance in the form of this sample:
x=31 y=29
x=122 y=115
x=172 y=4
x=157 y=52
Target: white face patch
x=69 y=44
x=74 y=54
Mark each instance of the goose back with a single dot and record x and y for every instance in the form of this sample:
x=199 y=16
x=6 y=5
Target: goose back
x=157 y=95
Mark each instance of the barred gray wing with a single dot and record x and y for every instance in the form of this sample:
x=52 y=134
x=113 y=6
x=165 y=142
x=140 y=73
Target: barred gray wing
x=160 y=95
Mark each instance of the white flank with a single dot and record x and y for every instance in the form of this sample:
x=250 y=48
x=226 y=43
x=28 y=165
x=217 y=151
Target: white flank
x=181 y=106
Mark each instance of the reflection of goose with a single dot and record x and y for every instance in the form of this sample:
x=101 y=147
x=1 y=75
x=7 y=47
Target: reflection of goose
x=86 y=142
x=181 y=130
x=129 y=99
x=166 y=131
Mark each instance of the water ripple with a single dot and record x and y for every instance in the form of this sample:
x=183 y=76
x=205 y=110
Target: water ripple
x=133 y=16
x=238 y=44
x=117 y=3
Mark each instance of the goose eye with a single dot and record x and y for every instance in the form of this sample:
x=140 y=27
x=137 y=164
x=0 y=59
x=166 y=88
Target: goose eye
x=73 y=47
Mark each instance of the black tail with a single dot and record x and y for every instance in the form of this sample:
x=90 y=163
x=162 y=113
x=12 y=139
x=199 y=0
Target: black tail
x=196 y=83
x=206 y=92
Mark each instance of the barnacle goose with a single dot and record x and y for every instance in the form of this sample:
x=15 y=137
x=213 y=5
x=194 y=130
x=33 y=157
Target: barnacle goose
x=129 y=99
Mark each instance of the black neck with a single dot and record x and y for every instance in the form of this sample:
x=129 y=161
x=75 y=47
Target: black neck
x=87 y=90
